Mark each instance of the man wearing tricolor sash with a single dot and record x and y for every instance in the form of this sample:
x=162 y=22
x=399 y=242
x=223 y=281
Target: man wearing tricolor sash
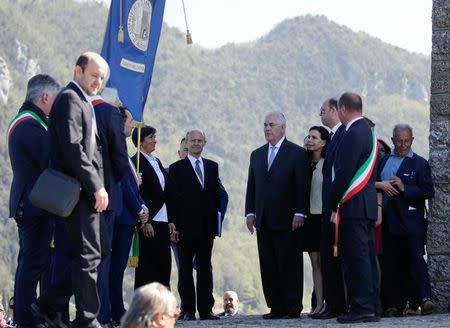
x=28 y=152
x=353 y=201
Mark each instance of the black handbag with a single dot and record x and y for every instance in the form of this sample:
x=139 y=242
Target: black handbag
x=55 y=192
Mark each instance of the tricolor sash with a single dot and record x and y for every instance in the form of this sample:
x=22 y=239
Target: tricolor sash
x=22 y=117
x=133 y=171
x=133 y=258
x=96 y=100
x=358 y=182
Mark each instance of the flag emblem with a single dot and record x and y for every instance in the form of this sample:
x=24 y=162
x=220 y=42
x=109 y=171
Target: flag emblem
x=138 y=23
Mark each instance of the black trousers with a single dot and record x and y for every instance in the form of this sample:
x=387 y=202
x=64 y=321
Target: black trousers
x=360 y=269
x=201 y=250
x=403 y=264
x=333 y=282
x=281 y=265
x=155 y=260
x=86 y=236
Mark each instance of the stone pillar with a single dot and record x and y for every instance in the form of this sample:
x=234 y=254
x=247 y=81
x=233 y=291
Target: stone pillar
x=439 y=226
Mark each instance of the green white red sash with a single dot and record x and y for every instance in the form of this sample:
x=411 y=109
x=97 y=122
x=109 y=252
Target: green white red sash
x=358 y=182
x=96 y=100
x=23 y=116
x=133 y=171
x=133 y=258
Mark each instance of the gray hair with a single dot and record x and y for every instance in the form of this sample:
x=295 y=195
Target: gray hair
x=196 y=130
x=110 y=95
x=281 y=119
x=39 y=85
x=402 y=127
x=147 y=302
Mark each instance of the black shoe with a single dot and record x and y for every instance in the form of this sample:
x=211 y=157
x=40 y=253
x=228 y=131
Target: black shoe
x=427 y=306
x=325 y=315
x=292 y=315
x=188 y=316
x=209 y=316
x=53 y=319
x=355 y=318
x=392 y=312
x=273 y=315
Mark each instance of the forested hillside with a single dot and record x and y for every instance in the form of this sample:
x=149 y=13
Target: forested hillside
x=224 y=91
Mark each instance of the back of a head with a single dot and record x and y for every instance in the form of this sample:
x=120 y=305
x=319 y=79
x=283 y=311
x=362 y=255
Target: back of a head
x=147 y=302
x=40 y=84
x=351 y=101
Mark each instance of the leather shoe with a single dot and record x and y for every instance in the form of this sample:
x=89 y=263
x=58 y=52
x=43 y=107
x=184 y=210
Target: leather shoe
x=53 y=319
x=325 y=315
x=188 y=316
x=392 y=312
x=273 y=315
x=292 y=315
x=351 y=317
x=209 y=316
x=427 y=306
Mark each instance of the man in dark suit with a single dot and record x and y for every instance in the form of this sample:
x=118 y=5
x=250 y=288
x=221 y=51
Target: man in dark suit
x=134 y=213
x=28 y=151
x=115 y=163
x=333 y=284
x=197 y=216
x=76 y=151
x=406 y=184
x=356 y=205
x=275 y=206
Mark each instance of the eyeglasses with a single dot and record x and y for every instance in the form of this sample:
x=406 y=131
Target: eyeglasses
x=270 y=125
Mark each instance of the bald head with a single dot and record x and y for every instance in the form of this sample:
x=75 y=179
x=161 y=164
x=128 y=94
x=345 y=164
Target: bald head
x=90 y=72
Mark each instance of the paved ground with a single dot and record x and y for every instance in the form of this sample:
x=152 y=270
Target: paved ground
x=430 y=321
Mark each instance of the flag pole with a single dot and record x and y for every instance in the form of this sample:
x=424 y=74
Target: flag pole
x=139 y=126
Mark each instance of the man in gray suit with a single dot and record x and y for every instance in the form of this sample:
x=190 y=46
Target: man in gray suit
x=76 y=151
x=275 y=206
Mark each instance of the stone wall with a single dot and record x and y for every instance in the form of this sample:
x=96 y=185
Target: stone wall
x=439 y=227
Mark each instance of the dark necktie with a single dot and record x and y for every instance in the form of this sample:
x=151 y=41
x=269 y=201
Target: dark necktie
x=199 y=171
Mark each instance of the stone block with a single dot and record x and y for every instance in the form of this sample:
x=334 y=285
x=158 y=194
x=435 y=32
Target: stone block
x=439 y=131
x=439 y=162
x=440 y=76
x=441 y=14
x=438 y=238
x=441 y=294
x=440 y=104
x=439 y=267
x=440 y=49
x=439 y=205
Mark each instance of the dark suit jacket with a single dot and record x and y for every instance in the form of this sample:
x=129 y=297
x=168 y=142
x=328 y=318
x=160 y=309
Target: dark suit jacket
x=152 y=193
x=327 y=169
x=114 y=150
x=404 y=213
x=353 y=151
x=28 y=152
x=195 y=208
x=132 y=201
x=71 y=148
x=276 y=195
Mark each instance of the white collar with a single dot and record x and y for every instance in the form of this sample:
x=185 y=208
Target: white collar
x=336 y=127
x=347 y=126
x=193 y=159
x=88 y=98
x=278 y=144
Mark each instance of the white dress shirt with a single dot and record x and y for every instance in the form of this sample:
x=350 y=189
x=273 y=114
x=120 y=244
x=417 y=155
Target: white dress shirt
x=192 y=159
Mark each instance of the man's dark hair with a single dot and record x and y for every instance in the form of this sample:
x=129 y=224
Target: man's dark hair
x=145 y=132
x=82 y=61
x=183 y=140
x=332 y=102
x=351 y=101
x=123 y=112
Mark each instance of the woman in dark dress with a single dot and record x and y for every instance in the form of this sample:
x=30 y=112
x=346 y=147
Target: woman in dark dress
x=315 y=144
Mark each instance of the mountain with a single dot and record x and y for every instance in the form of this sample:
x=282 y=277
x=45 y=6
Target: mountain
x=224 y=91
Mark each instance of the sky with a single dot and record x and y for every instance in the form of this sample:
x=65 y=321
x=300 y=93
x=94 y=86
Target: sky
x=213 y=23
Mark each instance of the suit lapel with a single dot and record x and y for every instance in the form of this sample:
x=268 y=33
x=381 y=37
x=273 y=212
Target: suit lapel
x=151 y=171
x=404 y=167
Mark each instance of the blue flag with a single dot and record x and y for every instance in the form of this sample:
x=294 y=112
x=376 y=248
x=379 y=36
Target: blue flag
x=129 y=47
